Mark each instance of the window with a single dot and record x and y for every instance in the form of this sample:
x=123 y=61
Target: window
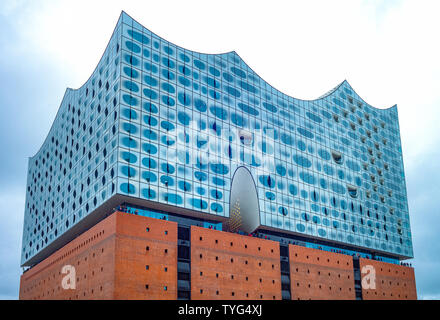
x=246 y=137
x=352 y=191
x=337 y=157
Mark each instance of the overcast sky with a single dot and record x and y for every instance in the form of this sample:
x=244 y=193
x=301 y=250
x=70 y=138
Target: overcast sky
x=387 y=50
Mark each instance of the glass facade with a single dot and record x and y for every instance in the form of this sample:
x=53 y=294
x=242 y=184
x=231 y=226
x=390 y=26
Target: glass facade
x=161 y=123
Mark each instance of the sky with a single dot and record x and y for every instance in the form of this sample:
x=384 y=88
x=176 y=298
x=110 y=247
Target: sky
x=386 y=49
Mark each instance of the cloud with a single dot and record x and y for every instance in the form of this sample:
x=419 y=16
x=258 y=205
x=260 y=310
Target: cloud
x=422 y=176
x=11 y=227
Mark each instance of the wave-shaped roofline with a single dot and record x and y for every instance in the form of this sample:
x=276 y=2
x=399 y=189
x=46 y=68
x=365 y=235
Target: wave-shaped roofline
x=328 y=93
x=120 y=20
x=69 y=89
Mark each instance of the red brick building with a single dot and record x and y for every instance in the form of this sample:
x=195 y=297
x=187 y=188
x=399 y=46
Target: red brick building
x=126 y=256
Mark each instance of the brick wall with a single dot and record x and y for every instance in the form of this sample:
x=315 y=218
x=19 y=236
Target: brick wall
x=393 y=282
x=92 y=255
x=230 y=266
x=133 y=257
x=320 y=275
x=110 y=261
x=145 y=258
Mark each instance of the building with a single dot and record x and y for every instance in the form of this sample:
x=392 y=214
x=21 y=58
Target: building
x=195 y=154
